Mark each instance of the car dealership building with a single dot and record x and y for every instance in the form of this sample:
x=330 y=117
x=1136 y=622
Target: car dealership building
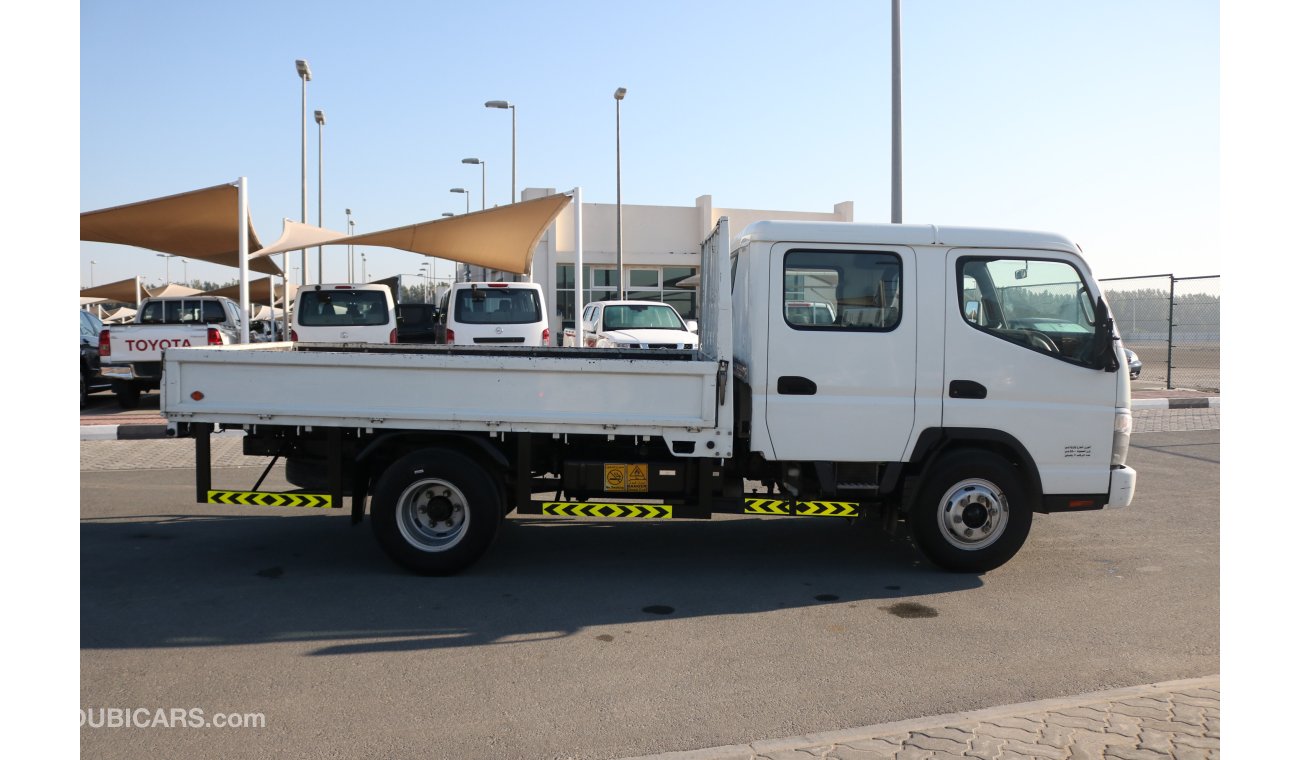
x=661 y=251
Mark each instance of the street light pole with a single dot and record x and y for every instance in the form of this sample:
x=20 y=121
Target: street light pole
x=167 y=258
x=466 y=192
x=896 y=161
x=511 y=106
x=482 y=164
x=304 y=73
x=185 y=271
x=320 y=189
x=363 y=266
x=351 y=268
x=618 y=178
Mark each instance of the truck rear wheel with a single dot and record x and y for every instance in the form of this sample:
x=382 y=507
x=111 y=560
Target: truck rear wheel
x=128 y=395
x=435 y=511
x=972 y=514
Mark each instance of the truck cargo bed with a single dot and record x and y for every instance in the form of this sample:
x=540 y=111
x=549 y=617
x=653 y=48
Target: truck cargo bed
x=663 y=393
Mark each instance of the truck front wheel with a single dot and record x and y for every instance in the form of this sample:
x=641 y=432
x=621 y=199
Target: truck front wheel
x=972 y=514
x=435 y=511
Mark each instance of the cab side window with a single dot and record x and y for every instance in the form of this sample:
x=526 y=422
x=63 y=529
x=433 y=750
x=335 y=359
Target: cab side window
x=1044 y=306
x=842 y=290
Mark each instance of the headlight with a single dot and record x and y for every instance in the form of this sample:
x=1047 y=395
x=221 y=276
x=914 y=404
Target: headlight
x=1119 y=442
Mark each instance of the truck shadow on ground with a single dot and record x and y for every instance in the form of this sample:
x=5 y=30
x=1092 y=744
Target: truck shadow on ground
x=187 y=581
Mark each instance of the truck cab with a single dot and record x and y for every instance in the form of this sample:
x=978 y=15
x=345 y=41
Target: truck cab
x=983 y=355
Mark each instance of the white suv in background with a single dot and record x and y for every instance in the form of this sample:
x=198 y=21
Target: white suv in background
x=346 y=313
x=494 y=313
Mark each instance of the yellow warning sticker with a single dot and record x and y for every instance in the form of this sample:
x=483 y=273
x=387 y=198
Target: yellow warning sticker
x=638 y=478
x=271 y=499
x=587 y=509
x=802 y=508
x=615 y=477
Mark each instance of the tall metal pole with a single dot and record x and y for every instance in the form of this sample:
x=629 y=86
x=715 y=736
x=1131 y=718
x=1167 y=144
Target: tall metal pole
x=350 y=267
x=896 y=210
x=304 y=73
x=579 y=341
x=243 y=260
x=506 y=104
x=513 y=196
x=618 y=179
x=320 y=189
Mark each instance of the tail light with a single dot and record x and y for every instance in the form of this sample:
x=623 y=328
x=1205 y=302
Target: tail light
x=451 y=336
x=105 y=348
x=293 y=335
x=392 y=335
x=214 y=336
x=546 y=336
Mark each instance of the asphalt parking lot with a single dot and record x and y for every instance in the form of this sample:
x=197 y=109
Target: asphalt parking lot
x=611 y=639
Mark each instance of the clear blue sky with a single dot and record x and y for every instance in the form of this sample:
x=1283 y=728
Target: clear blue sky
x=1097 y=118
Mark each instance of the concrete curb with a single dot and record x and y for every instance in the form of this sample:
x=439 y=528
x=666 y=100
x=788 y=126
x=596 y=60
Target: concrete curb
x=1176 y=403
x=767 y=747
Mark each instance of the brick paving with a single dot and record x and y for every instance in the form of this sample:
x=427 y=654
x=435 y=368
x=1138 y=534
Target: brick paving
x=1175 y=719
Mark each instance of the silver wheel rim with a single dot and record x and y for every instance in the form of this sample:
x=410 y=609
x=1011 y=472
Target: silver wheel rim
x=432 y=515
x=973 y=514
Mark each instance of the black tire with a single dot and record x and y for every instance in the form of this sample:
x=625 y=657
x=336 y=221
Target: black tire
x=85 y=389
x=435 y=511
x=972 y=514
x=128 y=395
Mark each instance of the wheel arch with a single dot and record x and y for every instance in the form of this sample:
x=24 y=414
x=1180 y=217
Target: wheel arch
x=936 y=443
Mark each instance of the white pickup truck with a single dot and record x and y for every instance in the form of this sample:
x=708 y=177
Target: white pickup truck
x=943 y=398
x=633 y=324
x=131 y=355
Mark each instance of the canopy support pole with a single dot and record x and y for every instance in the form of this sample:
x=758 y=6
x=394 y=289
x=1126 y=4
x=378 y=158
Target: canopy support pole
x=243 y=260
x=578 y=339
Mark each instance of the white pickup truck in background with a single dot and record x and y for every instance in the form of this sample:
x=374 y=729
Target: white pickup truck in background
x=131 y=354
x=634 y=324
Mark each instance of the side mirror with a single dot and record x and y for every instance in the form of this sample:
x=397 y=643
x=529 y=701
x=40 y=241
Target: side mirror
x=692 y=325
x=589 y=327
x=1103 y=341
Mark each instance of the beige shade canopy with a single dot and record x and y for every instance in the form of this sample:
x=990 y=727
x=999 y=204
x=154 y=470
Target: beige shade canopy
x=201 y=224
x=501 y=238
x=171 y=290
x=297 y=236
x=259 y=292
x=119 y=315
x=122 y=291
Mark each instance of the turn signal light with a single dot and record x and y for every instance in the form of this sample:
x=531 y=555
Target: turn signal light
x=197 y=395
x=546 y=337
x=105 y=348
x=214 y=336
x=392 y=335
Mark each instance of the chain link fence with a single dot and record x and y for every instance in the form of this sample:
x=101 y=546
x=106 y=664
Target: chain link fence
x=1172 y=324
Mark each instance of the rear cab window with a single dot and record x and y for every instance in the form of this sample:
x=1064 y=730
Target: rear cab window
x=497 y=306
x=342 y=308
x=842 y=290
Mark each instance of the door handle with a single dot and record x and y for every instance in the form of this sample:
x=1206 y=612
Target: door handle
x=967 y=389
x=793 y=385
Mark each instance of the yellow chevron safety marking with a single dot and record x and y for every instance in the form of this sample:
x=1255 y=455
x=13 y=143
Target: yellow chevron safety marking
x=271 y=499
x=802 y=508
x=590 y=509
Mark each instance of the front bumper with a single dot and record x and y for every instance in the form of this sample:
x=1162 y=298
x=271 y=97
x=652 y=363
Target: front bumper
x=1123 y=481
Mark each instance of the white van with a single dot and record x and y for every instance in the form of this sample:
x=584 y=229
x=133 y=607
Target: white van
x=494 y=313
x=344 y=313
